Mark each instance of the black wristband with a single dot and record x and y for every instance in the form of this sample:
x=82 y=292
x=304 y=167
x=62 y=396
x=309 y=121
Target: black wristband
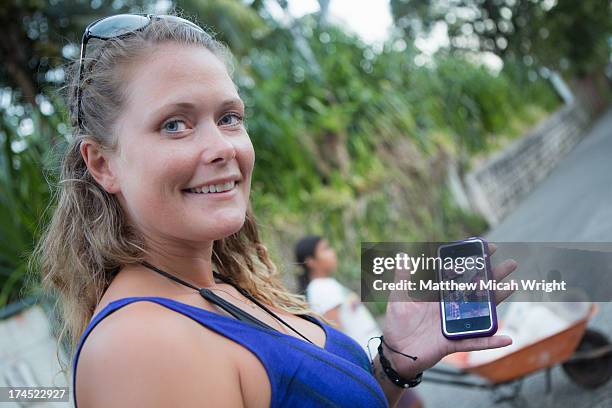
x=393 y=375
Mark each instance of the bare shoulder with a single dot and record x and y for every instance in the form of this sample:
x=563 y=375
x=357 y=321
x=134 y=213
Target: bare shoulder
x=144 y=354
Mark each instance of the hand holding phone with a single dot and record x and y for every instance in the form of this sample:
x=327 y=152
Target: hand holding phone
x=467 y=306
x=413 y=327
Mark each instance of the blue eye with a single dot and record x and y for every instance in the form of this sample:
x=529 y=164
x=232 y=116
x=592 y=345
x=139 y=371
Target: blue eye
x=173 y=126
x=231 y=119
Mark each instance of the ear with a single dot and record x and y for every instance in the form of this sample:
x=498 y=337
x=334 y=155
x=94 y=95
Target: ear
x=309 y=262
x=98 y=165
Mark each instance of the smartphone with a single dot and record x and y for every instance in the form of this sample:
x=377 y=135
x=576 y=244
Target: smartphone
x=467 y=307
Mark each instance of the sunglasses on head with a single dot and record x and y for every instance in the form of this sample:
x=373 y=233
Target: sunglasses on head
x=118 y=26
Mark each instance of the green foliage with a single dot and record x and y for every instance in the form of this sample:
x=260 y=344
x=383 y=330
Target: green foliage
x=358 y=151
x=24 y=192
x=35 y=33
x=565 y=35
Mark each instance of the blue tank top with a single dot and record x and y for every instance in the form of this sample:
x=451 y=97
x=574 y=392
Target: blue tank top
x=301 y=374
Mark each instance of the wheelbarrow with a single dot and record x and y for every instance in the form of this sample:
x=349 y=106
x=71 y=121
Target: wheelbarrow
x=585 y=355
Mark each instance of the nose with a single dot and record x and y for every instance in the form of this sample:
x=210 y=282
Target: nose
x=218 y=147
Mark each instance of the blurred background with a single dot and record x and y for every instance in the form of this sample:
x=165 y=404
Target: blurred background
x=400 y=120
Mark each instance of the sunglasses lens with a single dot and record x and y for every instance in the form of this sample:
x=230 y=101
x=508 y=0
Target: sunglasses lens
x=118 y=25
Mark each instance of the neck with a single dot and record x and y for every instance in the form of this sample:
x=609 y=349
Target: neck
x=314 y=274
x=192 y=263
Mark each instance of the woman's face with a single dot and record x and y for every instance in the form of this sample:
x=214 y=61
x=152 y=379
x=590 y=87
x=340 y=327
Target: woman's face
x=184 y=159
x=325 y=257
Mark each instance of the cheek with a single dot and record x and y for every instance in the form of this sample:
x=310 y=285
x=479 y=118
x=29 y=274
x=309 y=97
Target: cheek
x=152 y=175
x=162 y=170
x=245 y=154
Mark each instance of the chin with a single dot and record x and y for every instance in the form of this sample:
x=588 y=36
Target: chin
x=226 y=224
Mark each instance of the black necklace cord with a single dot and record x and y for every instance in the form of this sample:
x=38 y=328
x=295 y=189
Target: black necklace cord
x=232 y=309
x=224 y=304
x=168 y=275
x=258 y=303
x=213 y=298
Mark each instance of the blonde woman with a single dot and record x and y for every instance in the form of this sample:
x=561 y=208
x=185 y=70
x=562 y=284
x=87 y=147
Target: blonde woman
x=169 y=297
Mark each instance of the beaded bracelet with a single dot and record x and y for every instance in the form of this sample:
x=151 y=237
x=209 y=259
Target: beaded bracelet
x=390 y=372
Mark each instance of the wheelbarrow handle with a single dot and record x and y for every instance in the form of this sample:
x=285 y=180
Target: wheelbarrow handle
x=462 y=383
x=590 y=354
x=444 y=371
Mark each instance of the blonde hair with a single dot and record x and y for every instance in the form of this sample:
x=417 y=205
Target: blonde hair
x=88 y=238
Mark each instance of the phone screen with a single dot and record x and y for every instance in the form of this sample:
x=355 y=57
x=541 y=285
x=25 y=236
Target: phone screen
x=466 y=310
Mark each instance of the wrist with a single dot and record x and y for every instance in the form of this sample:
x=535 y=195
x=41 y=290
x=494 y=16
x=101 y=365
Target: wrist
x=402 y=365
x=402 y=373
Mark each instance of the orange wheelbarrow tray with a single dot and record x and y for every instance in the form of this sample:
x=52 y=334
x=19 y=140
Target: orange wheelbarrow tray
x=584 y=354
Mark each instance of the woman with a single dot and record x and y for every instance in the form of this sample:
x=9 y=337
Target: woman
x=154 y=197
x=327 y=296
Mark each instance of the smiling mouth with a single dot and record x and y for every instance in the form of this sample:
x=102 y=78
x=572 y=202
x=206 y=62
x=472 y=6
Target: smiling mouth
x=213 y=188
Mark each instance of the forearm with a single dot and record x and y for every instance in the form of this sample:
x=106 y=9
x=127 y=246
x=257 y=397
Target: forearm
x=391 y=390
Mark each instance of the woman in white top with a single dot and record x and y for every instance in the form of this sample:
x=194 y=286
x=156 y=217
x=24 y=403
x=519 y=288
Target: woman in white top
x=329 y=297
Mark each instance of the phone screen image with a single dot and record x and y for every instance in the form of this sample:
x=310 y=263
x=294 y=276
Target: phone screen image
x=469 y=310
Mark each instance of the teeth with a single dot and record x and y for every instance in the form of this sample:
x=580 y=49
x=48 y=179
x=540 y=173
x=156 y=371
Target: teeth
x=213 y=188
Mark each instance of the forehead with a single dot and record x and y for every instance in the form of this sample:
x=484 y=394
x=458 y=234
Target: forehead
x=322 y=244
x=176 y=71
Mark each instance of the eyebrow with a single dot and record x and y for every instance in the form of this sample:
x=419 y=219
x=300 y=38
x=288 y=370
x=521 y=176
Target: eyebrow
x=226 y=104
x=232 y=103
